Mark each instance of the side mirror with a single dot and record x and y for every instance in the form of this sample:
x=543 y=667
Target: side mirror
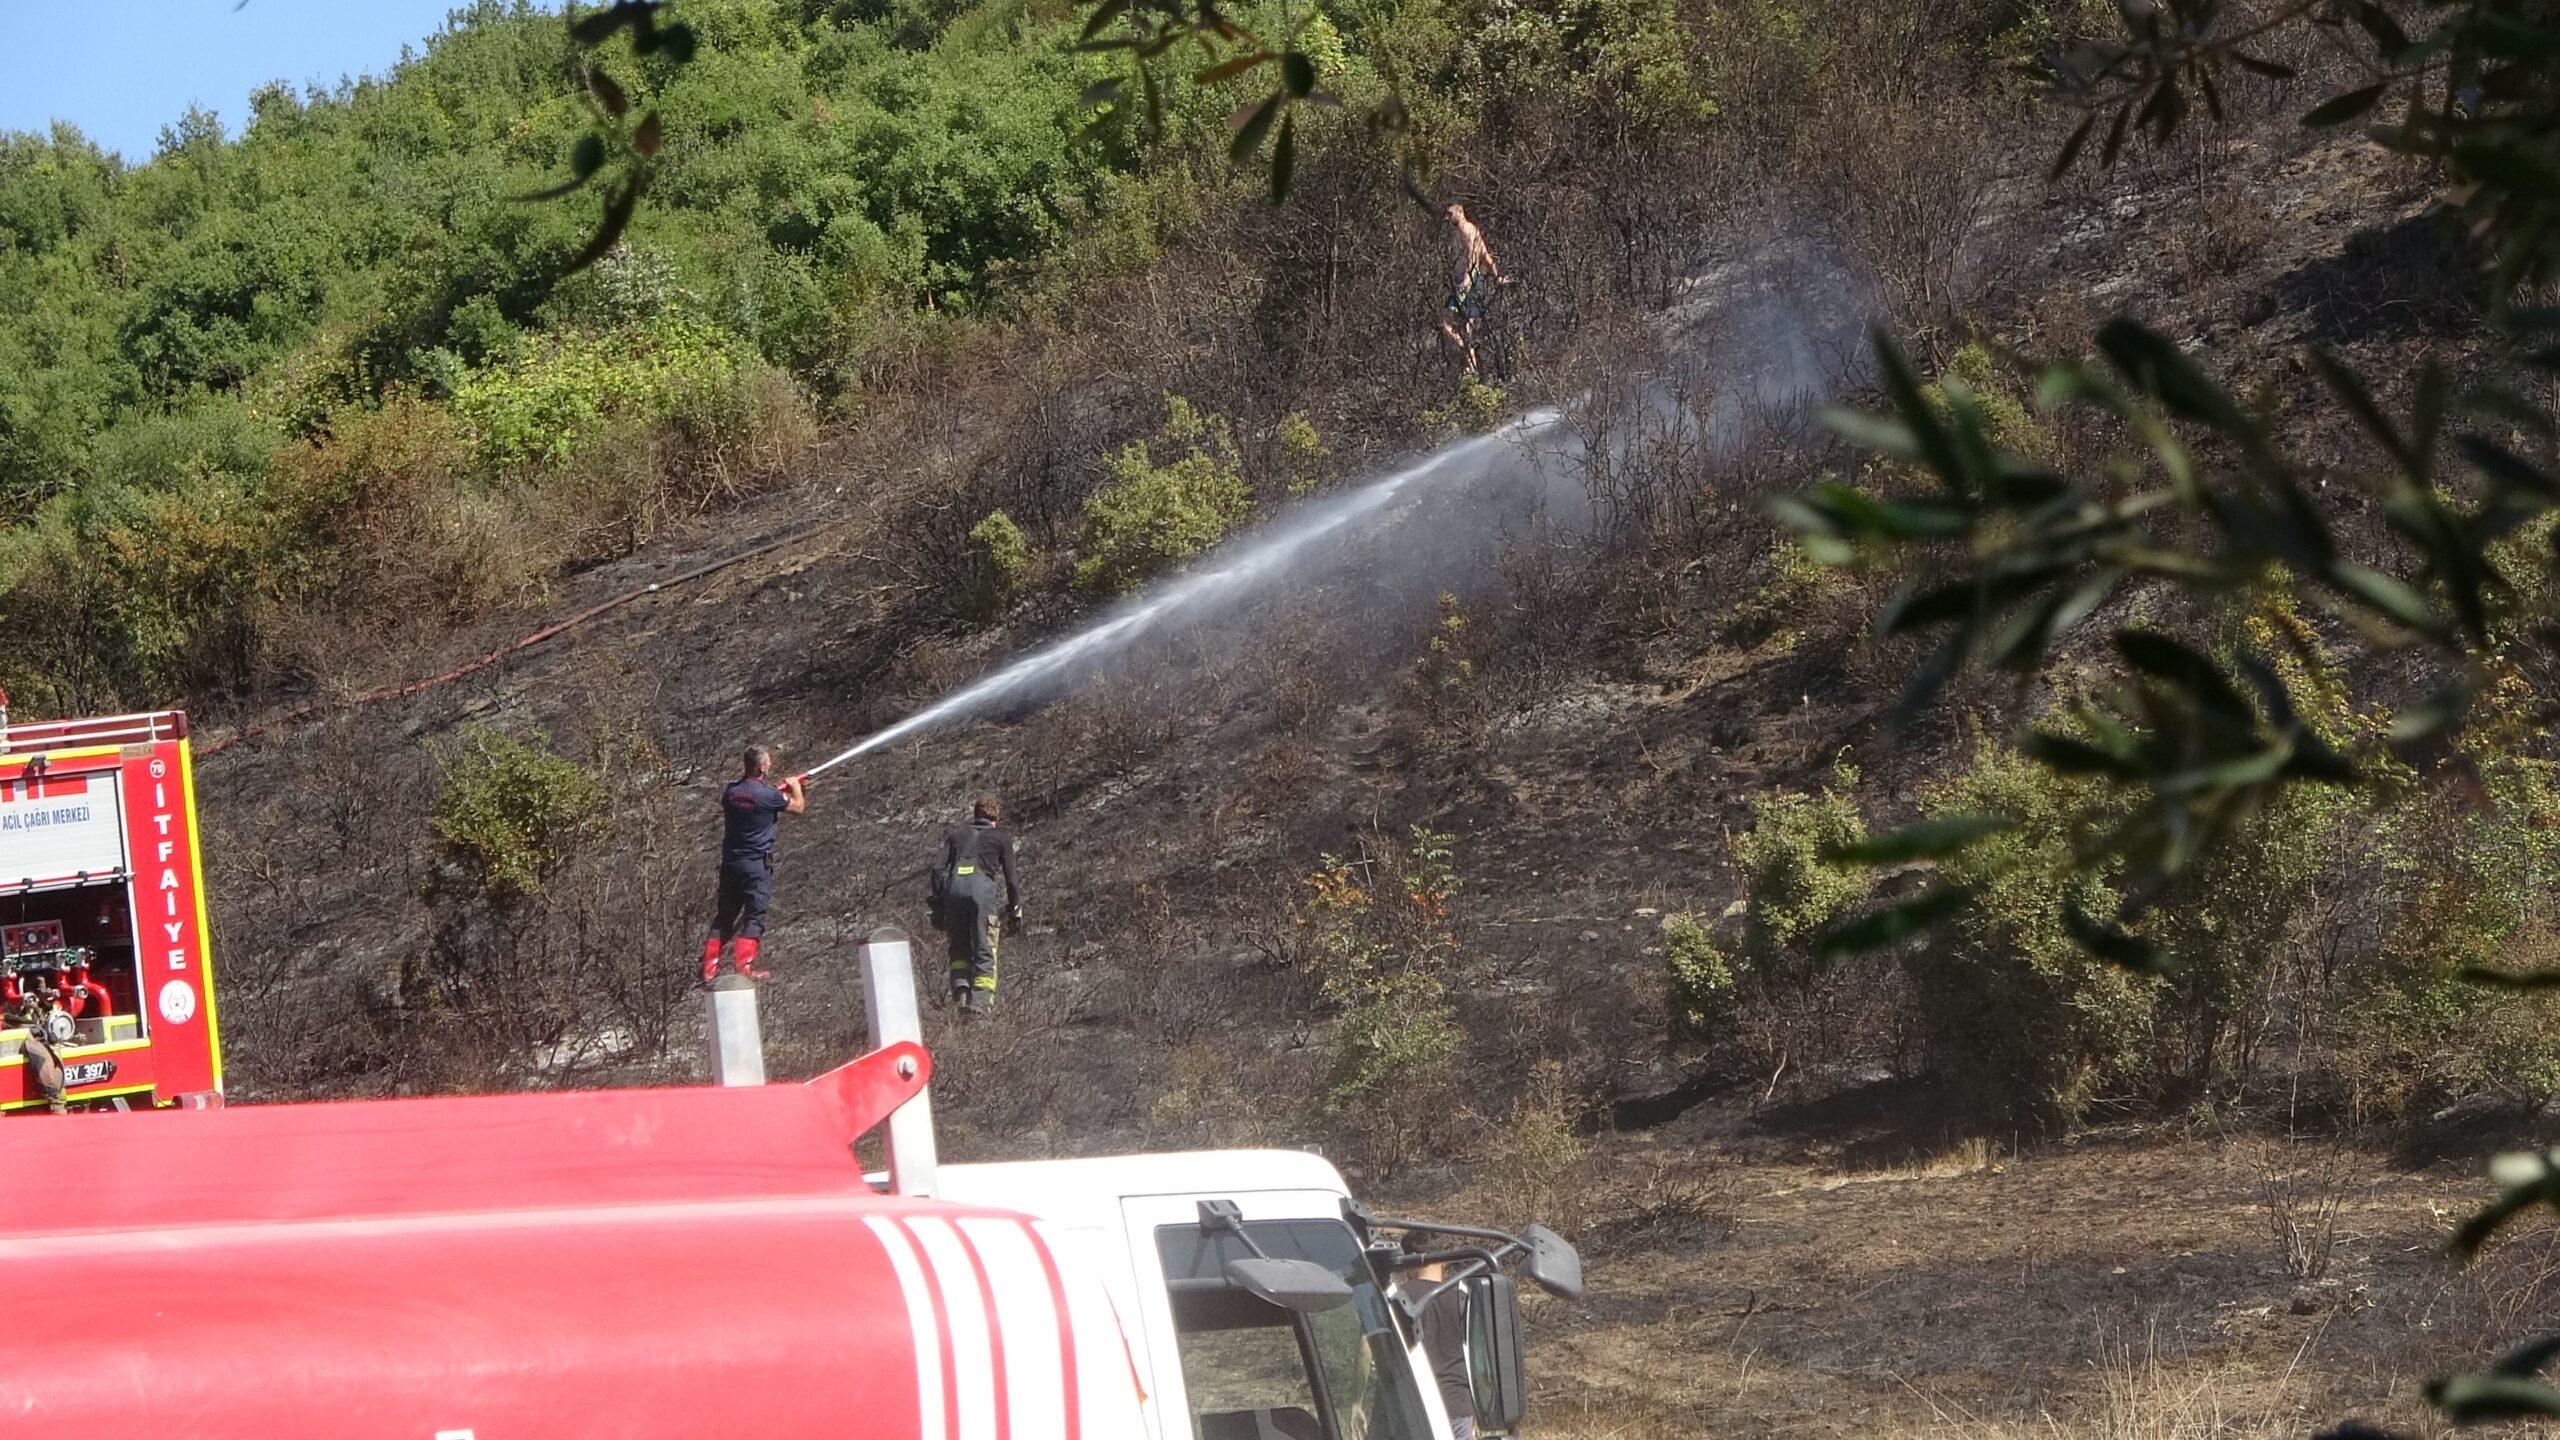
x=1496 y=1372
x=1553 y=1262
x=1300 y=1286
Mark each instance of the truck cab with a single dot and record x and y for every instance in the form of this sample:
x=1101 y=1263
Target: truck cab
x=1256 y=1298
x=1212 y=1360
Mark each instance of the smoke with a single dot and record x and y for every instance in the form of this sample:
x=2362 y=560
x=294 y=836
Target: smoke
x=1748 y=340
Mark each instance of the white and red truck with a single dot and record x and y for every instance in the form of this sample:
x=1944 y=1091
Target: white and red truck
x=692 y=1262
x=103 y=948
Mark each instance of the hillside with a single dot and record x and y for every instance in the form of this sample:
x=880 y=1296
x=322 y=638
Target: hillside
x=1481 y=848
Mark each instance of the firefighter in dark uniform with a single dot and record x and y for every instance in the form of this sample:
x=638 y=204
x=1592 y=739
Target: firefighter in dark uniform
x=976 y=901
x=749 y=811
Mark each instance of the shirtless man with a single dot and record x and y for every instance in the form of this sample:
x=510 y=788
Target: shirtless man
x=1477 y=273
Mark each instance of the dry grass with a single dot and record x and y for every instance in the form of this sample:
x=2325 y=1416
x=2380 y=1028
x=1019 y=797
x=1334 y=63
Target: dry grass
x=2136 y=1391
x=2116 y=1289
x=2132 y=1390
x=1973 y=1155
x=1611 y=1420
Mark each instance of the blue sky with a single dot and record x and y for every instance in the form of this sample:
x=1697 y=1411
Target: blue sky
x=121 y=69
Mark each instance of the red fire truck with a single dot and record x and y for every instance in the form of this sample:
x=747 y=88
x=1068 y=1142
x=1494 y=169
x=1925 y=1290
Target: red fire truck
x=685 y=1262
x=102 y=927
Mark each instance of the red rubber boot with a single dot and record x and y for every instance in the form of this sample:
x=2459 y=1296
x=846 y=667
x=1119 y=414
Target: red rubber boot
x=710 y=959
x=746 y=963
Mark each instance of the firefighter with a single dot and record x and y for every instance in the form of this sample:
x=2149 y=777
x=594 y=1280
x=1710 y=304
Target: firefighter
x=750 y=808
x=970 y=906
x=44 y=1067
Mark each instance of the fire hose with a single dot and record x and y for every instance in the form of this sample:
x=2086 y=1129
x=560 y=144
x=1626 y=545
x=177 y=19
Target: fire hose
x=394 y=692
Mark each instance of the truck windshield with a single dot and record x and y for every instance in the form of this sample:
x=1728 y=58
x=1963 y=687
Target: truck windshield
x=1257 y=1372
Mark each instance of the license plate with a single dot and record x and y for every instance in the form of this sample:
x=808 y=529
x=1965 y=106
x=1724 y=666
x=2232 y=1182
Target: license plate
x=88 y=1072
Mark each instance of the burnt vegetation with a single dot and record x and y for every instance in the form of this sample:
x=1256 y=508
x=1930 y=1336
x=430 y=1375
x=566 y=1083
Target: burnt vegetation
x=1604 y=713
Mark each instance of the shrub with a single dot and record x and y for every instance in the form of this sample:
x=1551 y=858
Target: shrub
x=1395 y=1036
x=548 y=404
x=1303 y=454
x=1149 y=516
x=2222 y=928
x=2016 y=1009
x=2017 y=1012
x=509 y=811
x=2225 y=923
x=1632 y=55
x=1796 y=580
x=1765 y=990
x=2476 y=895
x=157 y=575
x=396 y=517
x=1703 y=981
x=633 y=284
x=2006 y=422
x=1793 y=891
x=1444 y=663
x=1380 y=953
x=1452 y=707
x=1212 y=1097
x=998 y=557
x=1535 y=1161
x=1475 y=409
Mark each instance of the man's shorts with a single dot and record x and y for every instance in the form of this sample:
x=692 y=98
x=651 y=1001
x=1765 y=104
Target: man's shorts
x=1467 y=301
x=745 y=891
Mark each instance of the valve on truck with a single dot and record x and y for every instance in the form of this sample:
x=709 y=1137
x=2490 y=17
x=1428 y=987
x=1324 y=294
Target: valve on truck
x=45 y=983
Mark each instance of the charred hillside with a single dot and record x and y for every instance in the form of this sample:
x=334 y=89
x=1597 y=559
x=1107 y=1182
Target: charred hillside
x=1370 y=854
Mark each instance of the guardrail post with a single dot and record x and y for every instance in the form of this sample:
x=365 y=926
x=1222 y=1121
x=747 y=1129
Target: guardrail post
x=889 y=1003
x=737 y=1045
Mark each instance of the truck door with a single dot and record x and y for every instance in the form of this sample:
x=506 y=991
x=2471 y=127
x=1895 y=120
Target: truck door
x=1250 y=1370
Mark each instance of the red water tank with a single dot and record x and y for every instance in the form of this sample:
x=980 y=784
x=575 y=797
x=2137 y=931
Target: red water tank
x=621 y=1264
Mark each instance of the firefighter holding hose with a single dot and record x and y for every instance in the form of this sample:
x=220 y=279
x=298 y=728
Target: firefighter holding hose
x=750 y=810
x=976 y=902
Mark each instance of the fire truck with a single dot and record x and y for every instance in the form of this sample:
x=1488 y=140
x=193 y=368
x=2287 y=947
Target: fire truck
x=103 y=949
x=696 y=1261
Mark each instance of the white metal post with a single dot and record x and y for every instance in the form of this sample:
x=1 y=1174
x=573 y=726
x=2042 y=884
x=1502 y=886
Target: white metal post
x=889 y=1002
x=737 y=1046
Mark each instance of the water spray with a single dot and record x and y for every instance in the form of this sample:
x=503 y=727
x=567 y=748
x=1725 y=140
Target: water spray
x=1230 y=573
